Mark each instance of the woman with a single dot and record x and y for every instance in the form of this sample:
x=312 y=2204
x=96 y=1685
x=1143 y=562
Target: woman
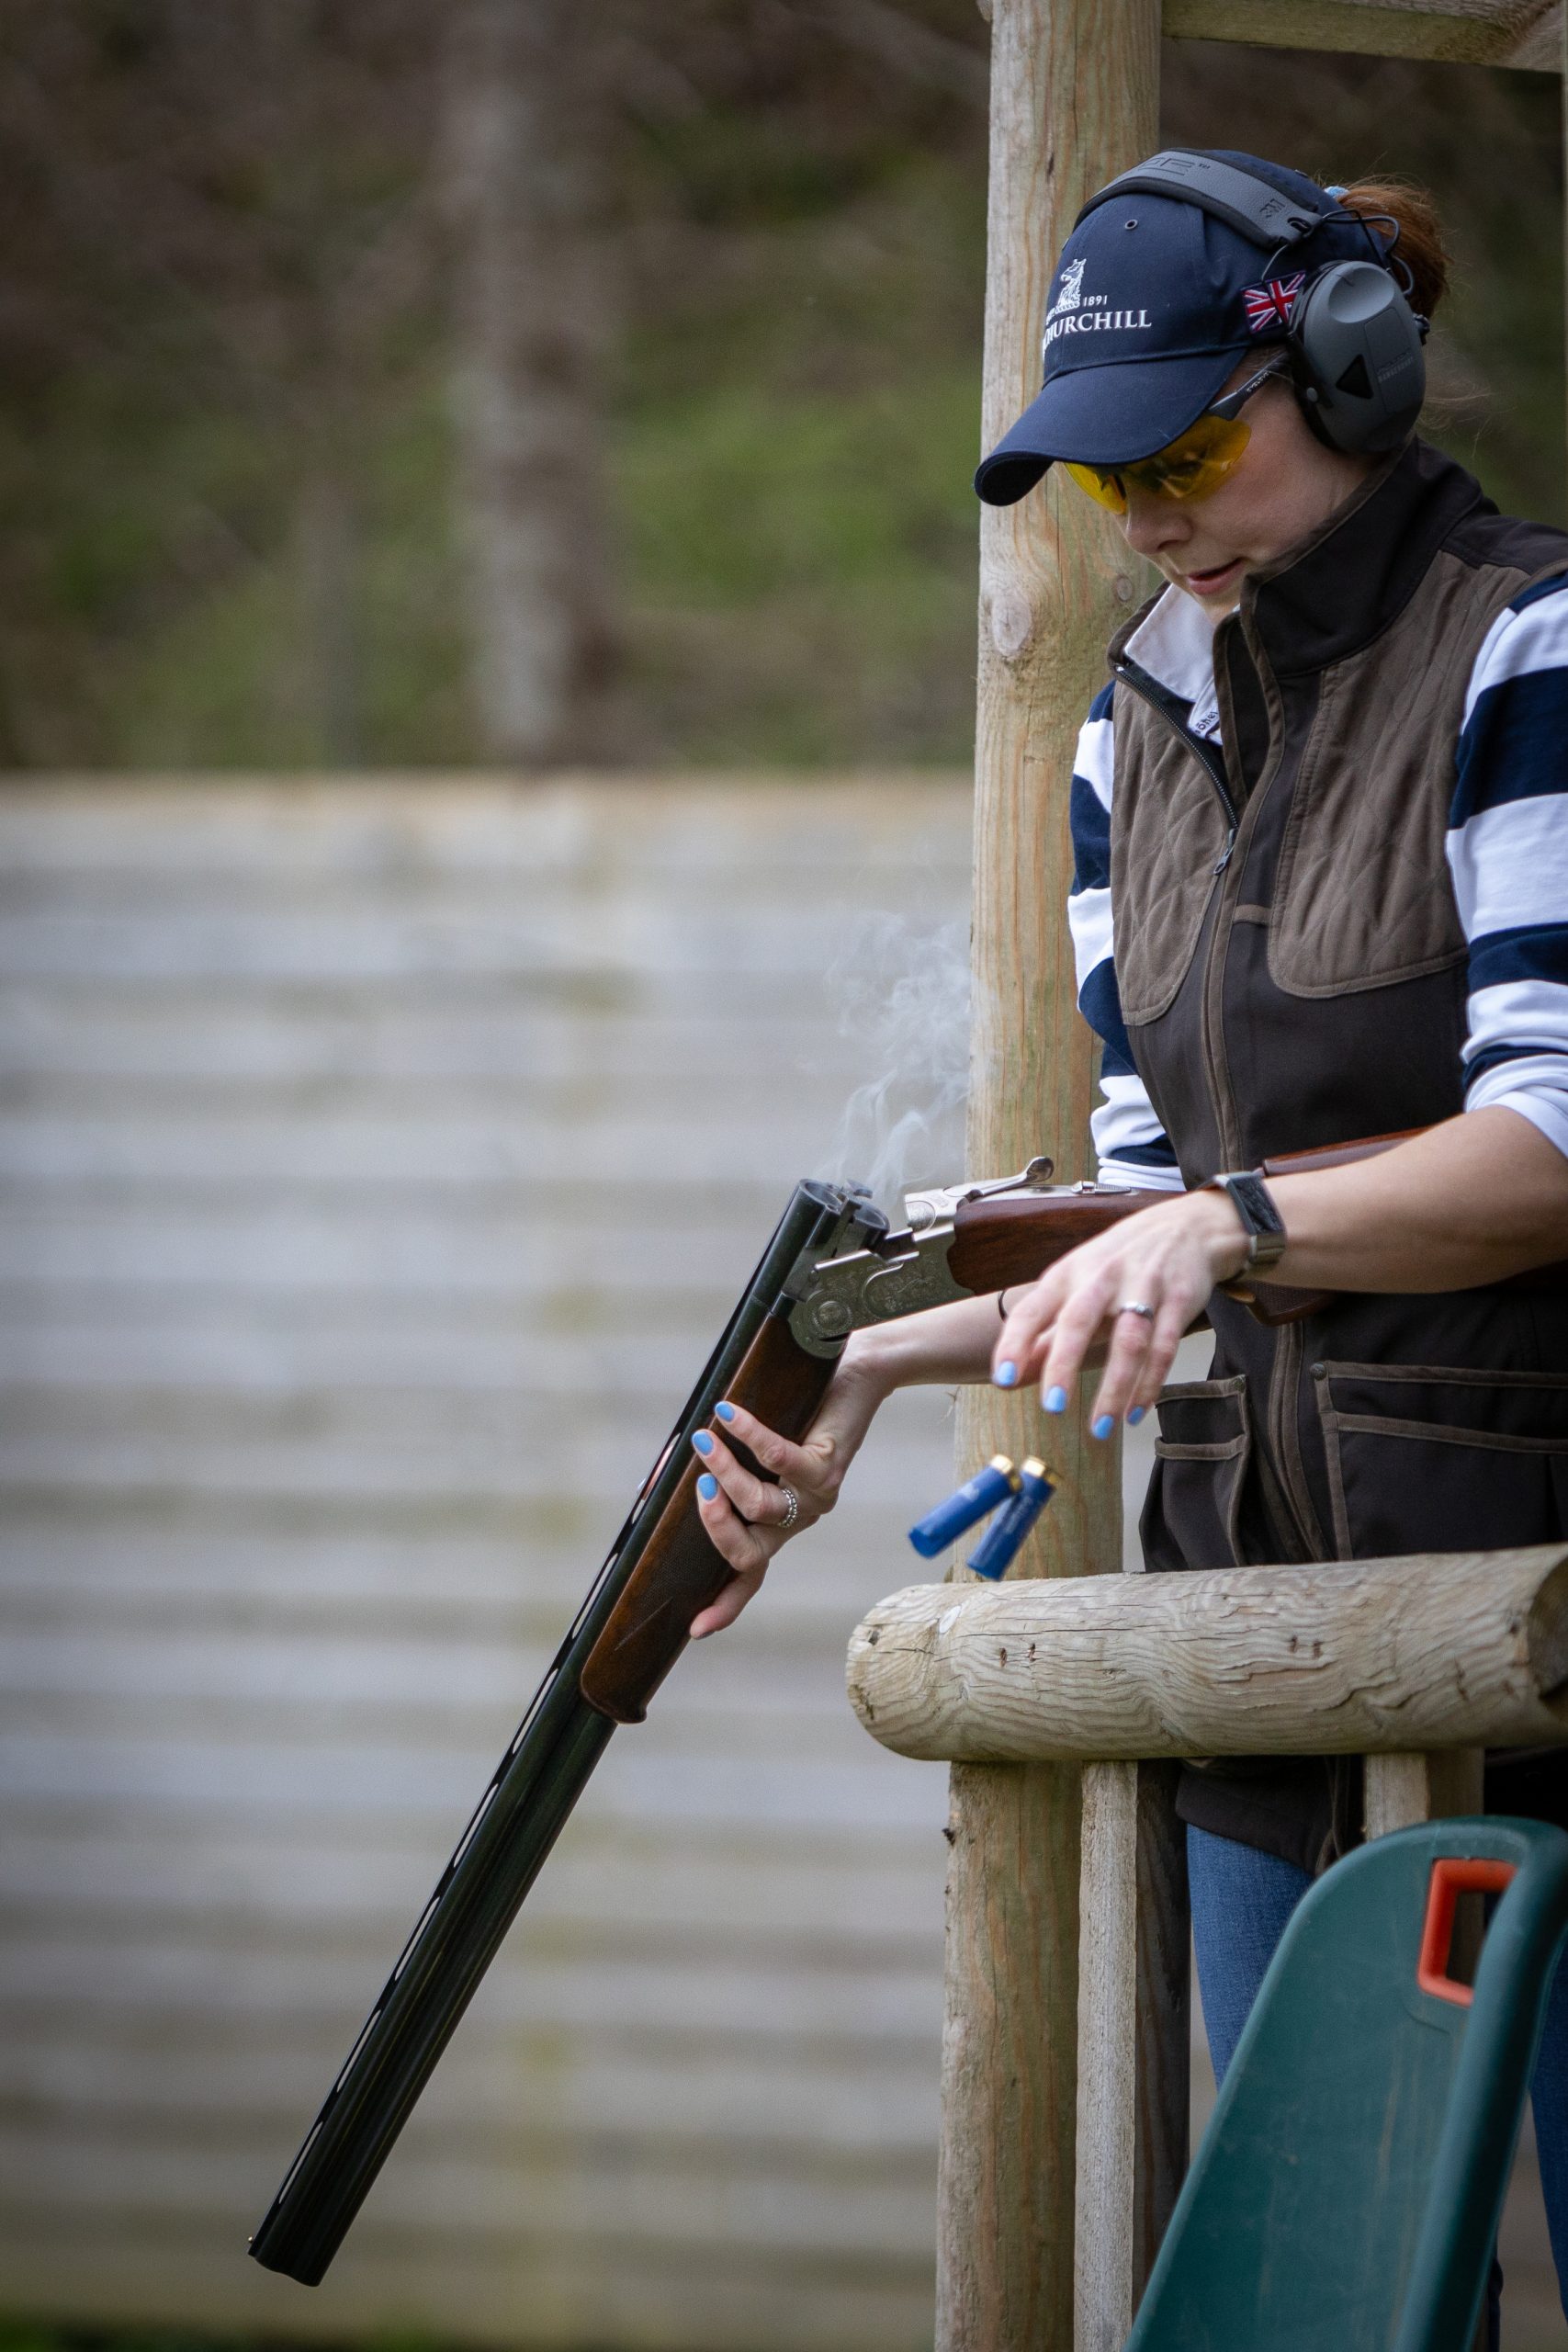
x=1321 y=823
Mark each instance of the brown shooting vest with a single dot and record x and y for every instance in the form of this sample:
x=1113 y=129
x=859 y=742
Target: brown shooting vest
x=1295 y=978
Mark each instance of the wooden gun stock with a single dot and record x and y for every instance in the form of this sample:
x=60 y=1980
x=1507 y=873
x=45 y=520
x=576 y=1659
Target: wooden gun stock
x=679 y=1572
x=1015 y=1237
x=1009 y=1237
x=1012 y=1237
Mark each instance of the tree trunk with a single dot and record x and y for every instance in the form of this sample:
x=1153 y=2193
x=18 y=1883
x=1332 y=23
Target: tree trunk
x=519 y=139
x=327 y=536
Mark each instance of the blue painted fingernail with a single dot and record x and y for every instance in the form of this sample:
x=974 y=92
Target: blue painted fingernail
x=1006 y=1375
x=708 y=1487
x=702 y=1442
x=1056 y=1400
x=1135 y=1415
x=724 y=1412
x=1101 y=1427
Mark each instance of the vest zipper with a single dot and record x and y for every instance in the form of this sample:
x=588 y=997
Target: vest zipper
x=1286 y=1359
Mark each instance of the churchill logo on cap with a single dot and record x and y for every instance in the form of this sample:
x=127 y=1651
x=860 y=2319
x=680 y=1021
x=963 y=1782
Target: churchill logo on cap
x=1093 y=319
x=1076 y=312
x=1072 y=279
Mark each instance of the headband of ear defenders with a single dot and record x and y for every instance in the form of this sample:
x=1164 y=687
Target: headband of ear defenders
x=1250 y=206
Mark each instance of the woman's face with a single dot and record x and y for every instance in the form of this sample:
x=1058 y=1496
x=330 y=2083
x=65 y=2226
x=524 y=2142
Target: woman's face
x=1286 y=485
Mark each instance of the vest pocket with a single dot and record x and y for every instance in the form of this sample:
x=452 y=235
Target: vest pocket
x=1192 y=1515
x=1439 y=1458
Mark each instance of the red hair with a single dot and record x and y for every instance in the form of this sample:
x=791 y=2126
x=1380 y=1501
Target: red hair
x=1419 y=242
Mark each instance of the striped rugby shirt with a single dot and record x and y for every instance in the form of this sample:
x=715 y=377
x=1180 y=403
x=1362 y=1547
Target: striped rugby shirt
x=1507 y=853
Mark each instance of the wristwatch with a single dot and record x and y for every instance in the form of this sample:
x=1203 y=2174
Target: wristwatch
x=1254 y=1203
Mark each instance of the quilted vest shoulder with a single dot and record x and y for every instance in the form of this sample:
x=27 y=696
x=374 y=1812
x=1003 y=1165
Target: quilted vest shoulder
x=1362 y=895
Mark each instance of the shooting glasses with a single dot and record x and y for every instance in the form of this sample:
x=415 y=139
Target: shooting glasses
x=1193 y=465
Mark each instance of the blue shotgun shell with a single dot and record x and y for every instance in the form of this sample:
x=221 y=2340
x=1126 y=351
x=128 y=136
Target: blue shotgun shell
x=983 y=1492
x=1000 y=1546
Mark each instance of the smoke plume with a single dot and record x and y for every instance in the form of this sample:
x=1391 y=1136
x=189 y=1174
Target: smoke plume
x=901 y=991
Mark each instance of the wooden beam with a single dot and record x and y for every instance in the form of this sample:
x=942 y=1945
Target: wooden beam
x=1522 y=33
x=1449 y=1649
x=1074 y=99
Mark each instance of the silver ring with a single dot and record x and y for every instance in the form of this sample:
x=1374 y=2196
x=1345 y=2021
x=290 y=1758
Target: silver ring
x=1136 y=1307
x=792 y=1511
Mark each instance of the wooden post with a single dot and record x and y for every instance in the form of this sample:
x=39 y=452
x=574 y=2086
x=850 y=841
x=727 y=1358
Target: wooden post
x=1135 y=2041
x=1427 y=1785
x=1074 y=100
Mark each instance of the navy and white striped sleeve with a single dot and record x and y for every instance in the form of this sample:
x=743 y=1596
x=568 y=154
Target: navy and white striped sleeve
x=1508 y=848
x=1131 y=1145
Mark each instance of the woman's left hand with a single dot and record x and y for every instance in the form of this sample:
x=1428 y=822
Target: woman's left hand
x=1166 y=1259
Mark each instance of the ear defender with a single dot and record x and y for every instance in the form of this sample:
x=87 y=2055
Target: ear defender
x=1362 y=374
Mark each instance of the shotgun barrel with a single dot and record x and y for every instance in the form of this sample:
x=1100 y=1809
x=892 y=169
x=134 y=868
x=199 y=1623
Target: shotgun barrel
x=661 y=1569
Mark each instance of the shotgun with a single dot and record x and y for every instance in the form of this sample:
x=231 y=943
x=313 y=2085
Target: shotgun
x=832 y=1266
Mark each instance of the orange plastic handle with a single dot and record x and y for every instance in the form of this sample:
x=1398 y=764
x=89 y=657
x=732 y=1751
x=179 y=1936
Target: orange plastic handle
x=1452 y=1877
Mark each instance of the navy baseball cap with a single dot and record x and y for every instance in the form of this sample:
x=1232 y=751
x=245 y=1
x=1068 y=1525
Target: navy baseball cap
x=1157 y=297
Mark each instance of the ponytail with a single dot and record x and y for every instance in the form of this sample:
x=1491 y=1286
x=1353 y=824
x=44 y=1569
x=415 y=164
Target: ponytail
x=1403 y=220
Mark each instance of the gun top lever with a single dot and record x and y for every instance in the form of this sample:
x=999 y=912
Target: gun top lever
x=930 y=1207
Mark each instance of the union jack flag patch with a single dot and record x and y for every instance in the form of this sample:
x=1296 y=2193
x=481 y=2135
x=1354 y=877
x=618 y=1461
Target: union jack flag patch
x=1270 y=305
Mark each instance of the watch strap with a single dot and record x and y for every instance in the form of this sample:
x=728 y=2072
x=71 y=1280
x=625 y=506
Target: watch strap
x=1254 y=1203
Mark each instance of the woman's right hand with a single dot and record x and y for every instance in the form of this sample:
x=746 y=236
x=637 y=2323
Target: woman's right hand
x=741 y=1511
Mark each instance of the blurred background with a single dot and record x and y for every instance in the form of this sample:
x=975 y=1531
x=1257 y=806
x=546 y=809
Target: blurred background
x=487 y=605
x=383 y=386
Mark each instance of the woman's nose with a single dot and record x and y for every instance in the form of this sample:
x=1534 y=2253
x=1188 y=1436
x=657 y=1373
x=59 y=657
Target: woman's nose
x=1153 y=525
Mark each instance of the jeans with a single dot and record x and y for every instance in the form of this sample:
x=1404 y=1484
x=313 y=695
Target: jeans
x=1242 y=1900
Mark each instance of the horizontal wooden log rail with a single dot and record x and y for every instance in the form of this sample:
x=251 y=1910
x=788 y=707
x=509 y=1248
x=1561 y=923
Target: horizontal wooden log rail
x=1446 y=1650
x=1521 y=33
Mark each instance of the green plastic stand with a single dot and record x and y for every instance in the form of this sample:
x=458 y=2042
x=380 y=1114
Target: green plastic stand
x=1345 y=2195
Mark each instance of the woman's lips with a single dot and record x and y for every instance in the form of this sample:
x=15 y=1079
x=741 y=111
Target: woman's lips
x=1205 y=583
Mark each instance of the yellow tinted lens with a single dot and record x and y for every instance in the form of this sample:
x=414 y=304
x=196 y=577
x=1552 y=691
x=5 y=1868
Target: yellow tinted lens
x=1194 y=465
x=1191 y=467
x=1105 y=489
